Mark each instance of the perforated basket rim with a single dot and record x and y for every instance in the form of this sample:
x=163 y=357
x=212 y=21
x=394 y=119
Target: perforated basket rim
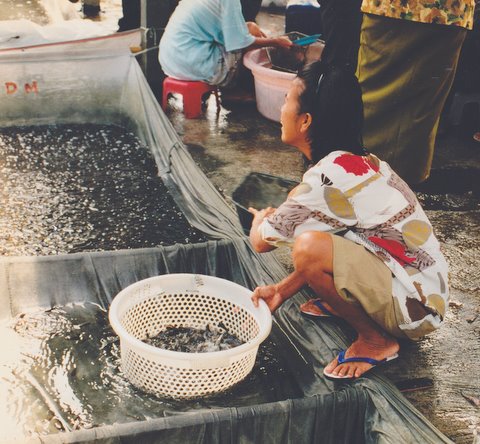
x=138 y=344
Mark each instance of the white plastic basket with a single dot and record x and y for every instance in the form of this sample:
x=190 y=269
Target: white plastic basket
x=186 y=300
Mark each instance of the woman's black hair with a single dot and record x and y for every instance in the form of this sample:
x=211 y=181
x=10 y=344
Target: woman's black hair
x=332 y=96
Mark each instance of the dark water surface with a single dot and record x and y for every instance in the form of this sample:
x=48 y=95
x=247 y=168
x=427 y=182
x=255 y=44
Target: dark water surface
x=73 y=188
x=62 y=372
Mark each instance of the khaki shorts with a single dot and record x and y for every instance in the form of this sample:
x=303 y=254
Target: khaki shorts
x=362 y=278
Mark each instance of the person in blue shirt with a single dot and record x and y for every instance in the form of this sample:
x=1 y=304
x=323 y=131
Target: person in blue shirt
x=205 y=39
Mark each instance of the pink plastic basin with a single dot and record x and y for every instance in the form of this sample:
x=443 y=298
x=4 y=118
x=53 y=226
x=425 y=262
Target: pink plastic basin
x=270 y=85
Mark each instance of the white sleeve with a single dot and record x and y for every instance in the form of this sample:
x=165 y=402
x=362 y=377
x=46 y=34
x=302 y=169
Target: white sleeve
x=314 y=205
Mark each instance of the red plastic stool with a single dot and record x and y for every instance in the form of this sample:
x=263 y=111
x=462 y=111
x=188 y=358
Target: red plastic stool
x=192 y=93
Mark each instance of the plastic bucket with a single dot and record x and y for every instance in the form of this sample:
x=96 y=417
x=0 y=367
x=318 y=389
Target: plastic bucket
x=270 y=85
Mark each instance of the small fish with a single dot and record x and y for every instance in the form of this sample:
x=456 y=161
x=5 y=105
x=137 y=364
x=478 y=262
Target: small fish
x=194 y=340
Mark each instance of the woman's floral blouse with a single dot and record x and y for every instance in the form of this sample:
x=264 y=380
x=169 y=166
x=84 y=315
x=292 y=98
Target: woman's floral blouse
x=363 y=200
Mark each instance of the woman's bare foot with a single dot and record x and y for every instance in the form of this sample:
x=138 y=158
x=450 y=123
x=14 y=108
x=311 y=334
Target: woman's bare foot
x=384 y=348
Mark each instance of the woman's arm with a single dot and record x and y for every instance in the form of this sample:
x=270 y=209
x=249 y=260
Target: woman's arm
x=255 y=30
x=279 y=42
x=276 y=295
x=262 y=40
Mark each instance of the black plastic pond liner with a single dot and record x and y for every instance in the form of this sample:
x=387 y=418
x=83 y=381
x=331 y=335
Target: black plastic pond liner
x=104 y=86
x=74 y=355
x=368 y=410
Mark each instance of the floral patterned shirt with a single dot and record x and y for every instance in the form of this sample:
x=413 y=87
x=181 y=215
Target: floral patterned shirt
x=440 y=12
x=363 y=200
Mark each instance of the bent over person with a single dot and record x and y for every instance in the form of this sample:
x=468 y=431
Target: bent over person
x=204 y=40
x=360 y=238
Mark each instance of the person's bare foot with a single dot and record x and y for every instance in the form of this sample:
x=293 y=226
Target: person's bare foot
x=476 y=137
x=384 y=348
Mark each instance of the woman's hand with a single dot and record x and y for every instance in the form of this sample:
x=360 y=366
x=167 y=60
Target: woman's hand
x=275 y=295
x=282 y=42
x=262 y=42
x=270 y=294
x=255 y=30
x=256 y=240
x=259 y=215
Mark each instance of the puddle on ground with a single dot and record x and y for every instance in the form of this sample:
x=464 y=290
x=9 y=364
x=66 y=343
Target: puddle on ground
x=23 y=9
x=61 y=371
x=450 y=189
x=448 y=201
x=73 y=188
x=47 y=12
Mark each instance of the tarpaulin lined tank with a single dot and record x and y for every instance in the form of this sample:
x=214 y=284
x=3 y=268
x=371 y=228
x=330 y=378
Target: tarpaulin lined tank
x=99 y=82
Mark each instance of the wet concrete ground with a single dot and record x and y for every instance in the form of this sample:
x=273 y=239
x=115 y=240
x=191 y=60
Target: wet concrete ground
x=229 y=144
x=238 y=142
x=21 y=9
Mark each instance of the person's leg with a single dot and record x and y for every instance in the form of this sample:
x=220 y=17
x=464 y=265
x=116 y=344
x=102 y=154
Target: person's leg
x=237 y=84
x=341 y=21
x=250 y=9
x=313 y=258
x=131 y=15
x=227 y=69
x=405 y=70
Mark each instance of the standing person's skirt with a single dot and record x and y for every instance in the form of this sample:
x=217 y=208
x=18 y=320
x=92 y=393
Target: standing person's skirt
x=406 y=70
x=341 y=22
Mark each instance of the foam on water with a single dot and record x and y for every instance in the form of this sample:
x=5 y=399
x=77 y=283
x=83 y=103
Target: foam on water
x=72 y=188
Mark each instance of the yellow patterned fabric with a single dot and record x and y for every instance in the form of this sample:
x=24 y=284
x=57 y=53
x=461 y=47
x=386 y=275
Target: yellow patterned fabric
x=439 y=12
x=406 y=70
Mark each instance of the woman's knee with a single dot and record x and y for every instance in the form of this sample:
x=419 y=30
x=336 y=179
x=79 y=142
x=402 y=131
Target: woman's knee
x=313 y=249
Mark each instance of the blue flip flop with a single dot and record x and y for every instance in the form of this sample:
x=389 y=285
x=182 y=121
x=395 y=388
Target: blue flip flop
x=326 y=313
x=343 y=360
